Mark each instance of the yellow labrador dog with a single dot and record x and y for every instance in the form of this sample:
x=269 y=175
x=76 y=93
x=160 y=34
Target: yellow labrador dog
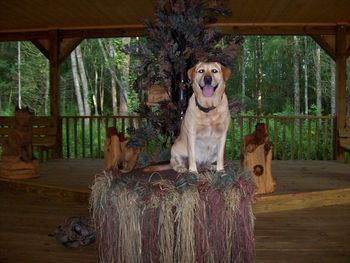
x=204 y=127
x=203 y=130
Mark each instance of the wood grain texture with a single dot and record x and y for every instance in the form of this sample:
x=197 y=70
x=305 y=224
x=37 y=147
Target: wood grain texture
x=309 y=235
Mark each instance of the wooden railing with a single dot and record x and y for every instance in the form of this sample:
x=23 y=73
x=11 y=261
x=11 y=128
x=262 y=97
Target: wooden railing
x=293 y=137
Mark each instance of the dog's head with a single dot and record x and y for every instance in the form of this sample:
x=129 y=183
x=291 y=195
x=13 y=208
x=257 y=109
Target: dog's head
x=208 y=82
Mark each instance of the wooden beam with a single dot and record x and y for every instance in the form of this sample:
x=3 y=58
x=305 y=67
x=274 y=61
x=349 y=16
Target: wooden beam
x=54 y=86
x=275 y=28
x=327 y=43
x=340 y=84
x=24 y=36
x=139 y=30
x=43 y=45
x=66 y=47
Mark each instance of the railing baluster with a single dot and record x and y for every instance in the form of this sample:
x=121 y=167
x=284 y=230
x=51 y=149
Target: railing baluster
x=317 y=138
x=249 y=125
x=275 y=135
x=284 y=138
x=241 y=132
x=300 y=144
x=303 y=143
x=83 y=135
x=123 y=125
x=67 y=138
x=99 y=138
x=91 y=136
x=233 y=139
x=291 y=121
x=325 y=139
x=308 y=138
x=75 y=138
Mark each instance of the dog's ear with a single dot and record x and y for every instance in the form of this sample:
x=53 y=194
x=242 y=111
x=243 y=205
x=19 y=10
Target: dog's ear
x=190 y=73
x=226 y=72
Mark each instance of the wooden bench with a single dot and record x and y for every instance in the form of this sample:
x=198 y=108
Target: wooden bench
x=44 y=133
x=344 y=136
x=344 y=139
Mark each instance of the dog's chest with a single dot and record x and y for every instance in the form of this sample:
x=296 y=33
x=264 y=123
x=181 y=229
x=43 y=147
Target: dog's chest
x=212 y=128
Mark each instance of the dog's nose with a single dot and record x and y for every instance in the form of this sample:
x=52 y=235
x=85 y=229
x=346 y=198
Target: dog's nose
x=207 y=80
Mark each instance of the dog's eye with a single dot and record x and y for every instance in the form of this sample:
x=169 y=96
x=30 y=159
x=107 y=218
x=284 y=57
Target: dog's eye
x=214 y=70
x=201 y=71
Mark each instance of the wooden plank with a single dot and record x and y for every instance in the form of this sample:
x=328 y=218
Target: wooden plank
x=302 y=200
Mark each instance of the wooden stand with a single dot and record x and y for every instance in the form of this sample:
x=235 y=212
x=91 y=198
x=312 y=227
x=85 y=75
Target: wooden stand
x=17 y=161
x=257 y=159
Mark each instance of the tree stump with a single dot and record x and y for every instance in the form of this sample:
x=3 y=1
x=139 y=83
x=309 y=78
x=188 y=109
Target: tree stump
x=17 y=160
x=257 y=158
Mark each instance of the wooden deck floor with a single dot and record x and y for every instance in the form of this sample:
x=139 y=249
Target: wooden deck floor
x=298 y=236
x=300 y=184
x=320 y=234
x=291 y=176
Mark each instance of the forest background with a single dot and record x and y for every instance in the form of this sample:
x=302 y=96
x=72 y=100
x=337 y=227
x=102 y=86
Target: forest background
x=288 y=75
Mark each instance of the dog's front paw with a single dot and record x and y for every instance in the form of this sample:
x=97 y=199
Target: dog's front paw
x=220 y=168
x=180 y=168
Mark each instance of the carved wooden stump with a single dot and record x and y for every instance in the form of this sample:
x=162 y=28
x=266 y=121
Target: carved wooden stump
x=257 y=159
x=113 y=152
x=118 y=156
x=17 y=161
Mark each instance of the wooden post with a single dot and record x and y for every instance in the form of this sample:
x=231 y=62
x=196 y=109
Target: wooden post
x=54 y=88
x=340 y=85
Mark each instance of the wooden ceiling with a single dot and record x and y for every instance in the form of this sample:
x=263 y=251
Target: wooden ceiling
x=33 y=19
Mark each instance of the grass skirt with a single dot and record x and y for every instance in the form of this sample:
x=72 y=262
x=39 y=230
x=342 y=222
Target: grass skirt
x=169 y=217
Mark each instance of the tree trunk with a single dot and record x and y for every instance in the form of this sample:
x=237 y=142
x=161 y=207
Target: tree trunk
x=333 y=103
x=258 y=74
x=318 y=79
x=19 y=75
x=95 y=93
x=76 y=83
x=101 y=93
x=296 y=63
x=123 y=89
x=306 y=82
x=84 y=81
x=243 y=74
x=47 y=93
x=113 y=77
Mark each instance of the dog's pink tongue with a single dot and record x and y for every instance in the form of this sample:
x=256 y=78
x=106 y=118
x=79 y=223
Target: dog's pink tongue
x=208 y=91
